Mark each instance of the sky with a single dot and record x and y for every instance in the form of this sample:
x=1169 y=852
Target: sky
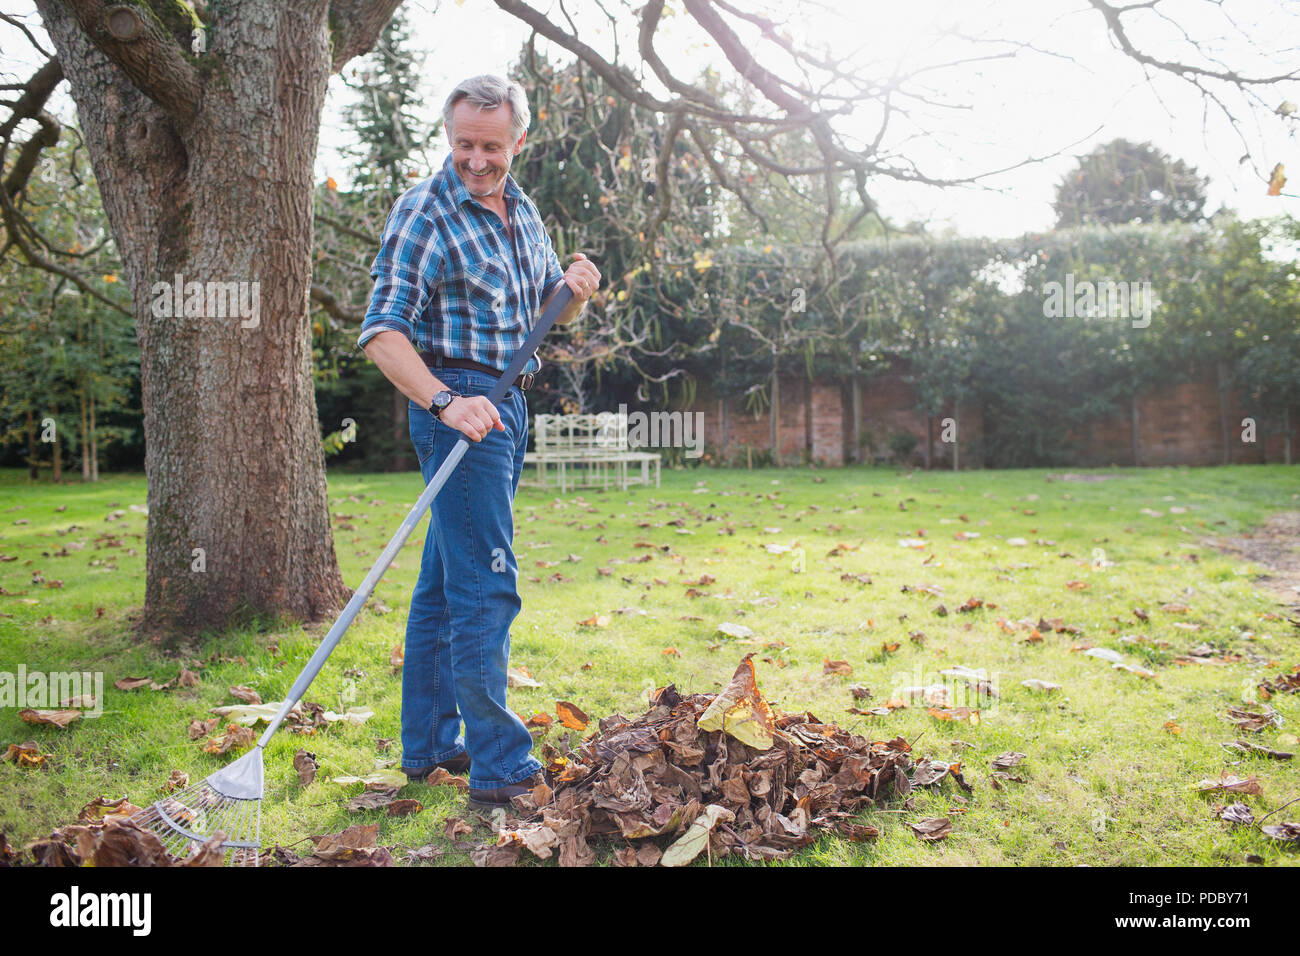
x=1050 y=86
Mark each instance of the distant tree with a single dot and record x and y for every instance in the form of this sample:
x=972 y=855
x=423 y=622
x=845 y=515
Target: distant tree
x=1122 y=182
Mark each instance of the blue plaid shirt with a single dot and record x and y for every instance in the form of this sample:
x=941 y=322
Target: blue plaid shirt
x=451 y=280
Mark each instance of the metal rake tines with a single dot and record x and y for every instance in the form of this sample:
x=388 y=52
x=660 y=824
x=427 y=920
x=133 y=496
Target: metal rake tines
x=186 y=820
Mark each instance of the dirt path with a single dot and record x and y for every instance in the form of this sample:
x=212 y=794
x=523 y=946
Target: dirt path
x=1275 y=546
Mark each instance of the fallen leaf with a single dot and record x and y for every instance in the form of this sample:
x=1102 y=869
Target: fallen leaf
x=740 y=710
x=246 y=694
x=932 y=828
x=842 y=668
x=519 y=677
x=571 y=715
x=696 y=838
x=305 y=763
x=54 y=718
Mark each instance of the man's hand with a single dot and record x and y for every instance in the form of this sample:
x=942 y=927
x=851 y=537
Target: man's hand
x=473 y=415
x=582 y=277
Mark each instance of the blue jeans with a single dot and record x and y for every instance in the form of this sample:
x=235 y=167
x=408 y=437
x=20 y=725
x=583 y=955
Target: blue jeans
x=458 y=631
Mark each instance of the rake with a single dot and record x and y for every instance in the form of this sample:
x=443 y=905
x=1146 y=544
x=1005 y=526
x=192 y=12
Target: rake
x=228 y=803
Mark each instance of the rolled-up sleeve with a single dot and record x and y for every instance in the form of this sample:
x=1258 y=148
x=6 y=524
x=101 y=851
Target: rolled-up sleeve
x=406 y=271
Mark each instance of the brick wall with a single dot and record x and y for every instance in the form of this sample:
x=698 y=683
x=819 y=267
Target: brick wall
x=1177 y=425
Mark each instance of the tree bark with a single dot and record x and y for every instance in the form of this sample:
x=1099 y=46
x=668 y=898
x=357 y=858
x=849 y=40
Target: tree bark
x=217 y=189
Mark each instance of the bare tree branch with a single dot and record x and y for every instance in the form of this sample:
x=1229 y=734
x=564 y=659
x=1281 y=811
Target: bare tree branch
x=134 y=39
x=356 y=25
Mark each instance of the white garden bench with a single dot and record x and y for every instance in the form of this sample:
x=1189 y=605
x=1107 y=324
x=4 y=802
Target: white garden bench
x=588 y=450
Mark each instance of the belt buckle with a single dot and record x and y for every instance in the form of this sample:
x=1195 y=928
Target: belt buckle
x=526 y=381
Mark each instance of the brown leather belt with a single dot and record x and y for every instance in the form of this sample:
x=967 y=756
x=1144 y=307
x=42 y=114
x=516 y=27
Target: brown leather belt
x=434 y=360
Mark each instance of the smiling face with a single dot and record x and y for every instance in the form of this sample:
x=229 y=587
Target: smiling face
x=481 y=147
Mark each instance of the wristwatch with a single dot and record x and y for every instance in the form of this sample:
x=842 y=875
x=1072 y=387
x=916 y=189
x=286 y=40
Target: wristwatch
x=441 y=400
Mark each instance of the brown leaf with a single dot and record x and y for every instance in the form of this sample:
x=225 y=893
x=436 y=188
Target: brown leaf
x=441 y=778
x=246 y=694
x=1231 y=783
x=571 y=716
x=102 y=809
x=24 y=755
x=932 y=828
x=456 y=827
x=132 y=683
x=404 y=807
x=201 y=728
x=357 y=840
x=492 y=855
x=305 y=763
x=841 y=668
x=235 y=737
x=55 y=718
x=1286 y=832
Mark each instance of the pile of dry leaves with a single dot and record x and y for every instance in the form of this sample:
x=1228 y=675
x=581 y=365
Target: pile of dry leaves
x=720 y=772
x=105 y=836
x=706 y=774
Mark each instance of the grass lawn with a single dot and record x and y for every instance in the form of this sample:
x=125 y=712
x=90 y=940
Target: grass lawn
x=1111 y=758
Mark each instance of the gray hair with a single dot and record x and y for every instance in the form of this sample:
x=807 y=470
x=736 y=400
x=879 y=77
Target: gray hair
x=488 y=92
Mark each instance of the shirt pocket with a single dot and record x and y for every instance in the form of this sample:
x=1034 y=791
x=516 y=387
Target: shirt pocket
x=486 y=285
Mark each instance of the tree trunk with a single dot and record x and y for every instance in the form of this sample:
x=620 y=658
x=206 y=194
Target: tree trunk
x=219 y=193
x=929 y=440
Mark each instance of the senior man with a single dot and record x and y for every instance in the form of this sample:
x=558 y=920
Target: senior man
x=464 y=269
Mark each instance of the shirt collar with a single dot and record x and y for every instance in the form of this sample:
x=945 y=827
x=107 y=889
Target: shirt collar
x=462 y=195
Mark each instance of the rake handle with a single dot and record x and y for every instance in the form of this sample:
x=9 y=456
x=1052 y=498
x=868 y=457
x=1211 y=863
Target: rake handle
x=559 y=301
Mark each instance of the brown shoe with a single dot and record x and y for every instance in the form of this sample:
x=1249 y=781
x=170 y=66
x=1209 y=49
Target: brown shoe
x=500 y=797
